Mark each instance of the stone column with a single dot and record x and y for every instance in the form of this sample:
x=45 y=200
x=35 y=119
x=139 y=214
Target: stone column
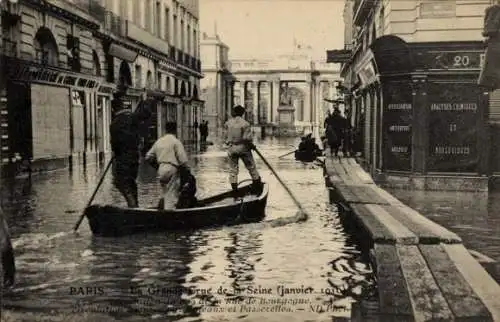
x=275 y=100
x=268 y=102
x=256 y=102
x=307 y=102
x=236 y=93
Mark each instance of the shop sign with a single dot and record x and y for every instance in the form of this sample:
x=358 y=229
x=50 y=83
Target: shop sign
x=455 y=60
x=397 y=126
x=453 y=118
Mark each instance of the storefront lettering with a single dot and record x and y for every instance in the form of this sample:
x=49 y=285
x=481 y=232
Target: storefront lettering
x=399 y=128
x=456 y=60
x=464 y=150
x=402 y=106
x=399 y=149
x=453 y=107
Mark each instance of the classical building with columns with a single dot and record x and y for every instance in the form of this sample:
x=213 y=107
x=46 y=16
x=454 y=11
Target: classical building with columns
x=410 y=71
x=294 y=80
x=62 y=60
x=217 y=81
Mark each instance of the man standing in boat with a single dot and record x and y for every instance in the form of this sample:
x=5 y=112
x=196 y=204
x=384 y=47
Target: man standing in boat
x=125 y=144
x=169 y=157
x=238 y=138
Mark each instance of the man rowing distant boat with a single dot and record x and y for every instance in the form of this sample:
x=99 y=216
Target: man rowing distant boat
x=239 y=141
x=169 y=157
x=125 y=131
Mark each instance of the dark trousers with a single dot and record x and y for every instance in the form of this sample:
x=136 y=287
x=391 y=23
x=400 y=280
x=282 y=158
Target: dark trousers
x=125 y=171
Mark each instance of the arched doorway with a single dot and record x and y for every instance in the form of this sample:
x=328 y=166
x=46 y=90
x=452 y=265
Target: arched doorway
x=124 y=75
x=96 y=65
x=45 y=45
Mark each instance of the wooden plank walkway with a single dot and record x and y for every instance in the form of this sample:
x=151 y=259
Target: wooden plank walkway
x=423 y=271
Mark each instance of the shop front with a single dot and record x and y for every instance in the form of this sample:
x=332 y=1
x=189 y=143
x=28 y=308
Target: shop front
x=49 y=116
x=432 y=126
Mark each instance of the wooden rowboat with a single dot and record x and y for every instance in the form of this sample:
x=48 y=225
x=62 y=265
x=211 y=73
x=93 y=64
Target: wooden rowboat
x=306 y=156
x=218 y=210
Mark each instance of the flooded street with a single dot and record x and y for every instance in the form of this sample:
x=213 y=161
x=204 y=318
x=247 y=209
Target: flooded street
x=193 y=276
x=475 y=217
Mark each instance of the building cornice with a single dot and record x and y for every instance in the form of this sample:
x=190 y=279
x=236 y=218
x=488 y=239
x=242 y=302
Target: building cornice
x=64 y=10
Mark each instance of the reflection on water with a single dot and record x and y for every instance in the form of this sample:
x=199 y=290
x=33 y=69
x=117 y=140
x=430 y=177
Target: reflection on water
x=475 y=217
x=249 y=273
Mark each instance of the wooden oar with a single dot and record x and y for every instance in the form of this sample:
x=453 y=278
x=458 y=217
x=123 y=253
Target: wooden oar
x=93 y=195
x=303 y=215
x=284 y=155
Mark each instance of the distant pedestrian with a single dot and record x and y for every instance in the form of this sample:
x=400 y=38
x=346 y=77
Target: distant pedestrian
x=204 y=131
x=335 y=131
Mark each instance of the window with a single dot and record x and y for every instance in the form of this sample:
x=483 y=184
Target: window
x=437 y=9
x=195 y=44
x=138 y=76
x=182 y=44
x=159 y=84
x=148 y=24
x=167 y=25
x=158 y=19
x=188 y=49
x=174 y=33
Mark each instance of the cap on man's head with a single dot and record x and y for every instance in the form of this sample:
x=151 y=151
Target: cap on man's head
x=238 y=110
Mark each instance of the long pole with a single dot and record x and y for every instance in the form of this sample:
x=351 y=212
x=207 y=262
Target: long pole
x=295 y=200
x=93 y=195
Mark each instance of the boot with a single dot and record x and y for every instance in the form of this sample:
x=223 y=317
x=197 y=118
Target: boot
x=257 y=186
x=235 y=192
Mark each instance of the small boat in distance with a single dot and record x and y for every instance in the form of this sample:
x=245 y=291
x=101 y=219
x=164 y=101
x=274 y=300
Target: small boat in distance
x=219 y=210
x=307 y=156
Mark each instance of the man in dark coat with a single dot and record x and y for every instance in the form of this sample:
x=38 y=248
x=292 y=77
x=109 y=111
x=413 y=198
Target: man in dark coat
x=335 y=131
x=490 y=71
x=125 y=130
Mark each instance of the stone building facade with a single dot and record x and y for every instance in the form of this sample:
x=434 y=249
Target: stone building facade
x=410 y=80
x=217 y=82
x=63 y=59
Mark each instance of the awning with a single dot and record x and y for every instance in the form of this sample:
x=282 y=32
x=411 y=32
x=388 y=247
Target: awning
x=122 y=53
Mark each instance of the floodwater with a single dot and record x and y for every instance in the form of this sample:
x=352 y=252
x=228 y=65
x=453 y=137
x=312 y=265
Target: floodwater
x=475 y=217
x=310 y=271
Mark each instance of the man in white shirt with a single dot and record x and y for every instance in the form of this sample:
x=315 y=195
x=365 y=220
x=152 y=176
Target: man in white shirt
x=168 y=155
